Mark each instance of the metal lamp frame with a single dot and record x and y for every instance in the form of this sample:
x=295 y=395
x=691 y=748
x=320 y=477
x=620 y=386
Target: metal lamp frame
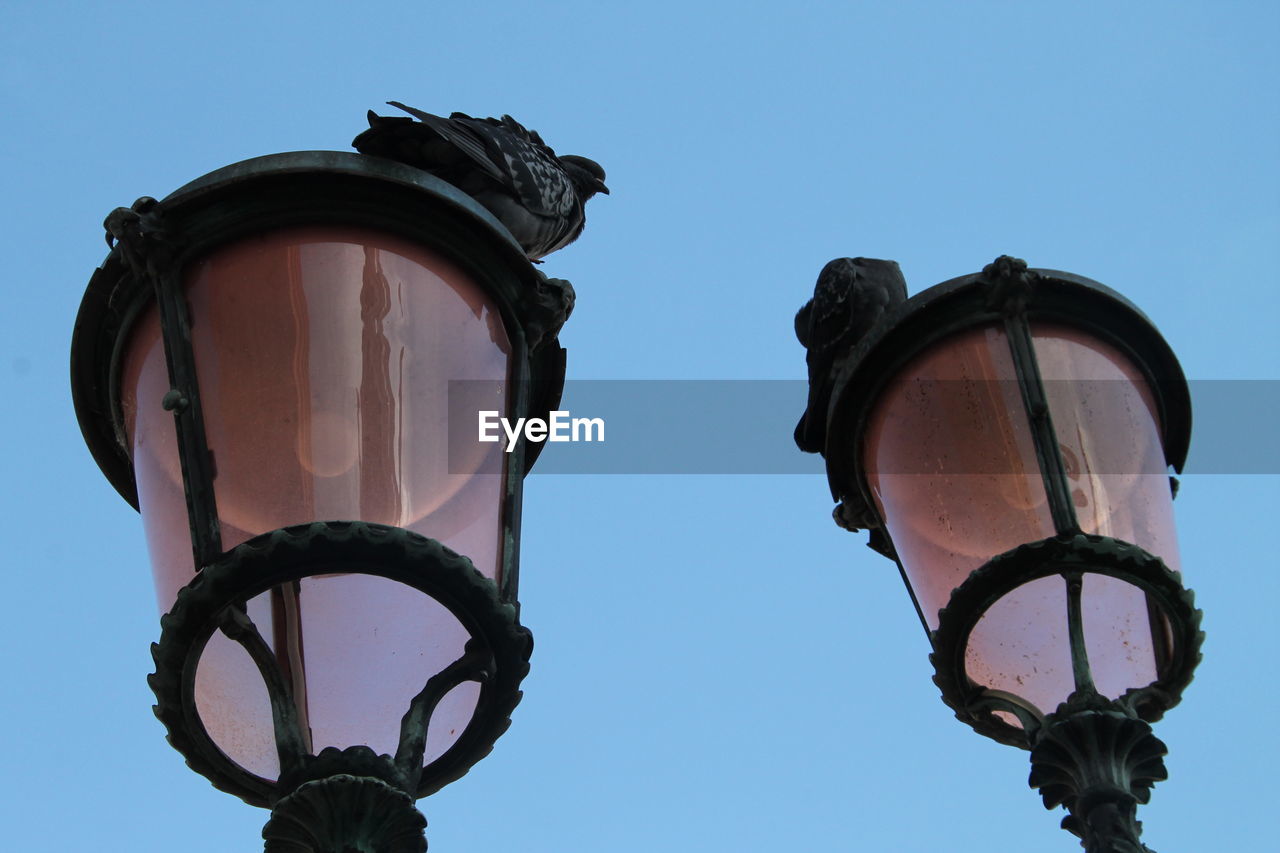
x=1095 y=755
x=318 y=800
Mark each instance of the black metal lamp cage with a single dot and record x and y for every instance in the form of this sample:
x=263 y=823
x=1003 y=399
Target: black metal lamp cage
x=346 y=793
x=913 y=402
x=1091 y=744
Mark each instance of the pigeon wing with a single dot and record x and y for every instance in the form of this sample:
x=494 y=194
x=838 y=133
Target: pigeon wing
x=462 y=136
x=532 y=170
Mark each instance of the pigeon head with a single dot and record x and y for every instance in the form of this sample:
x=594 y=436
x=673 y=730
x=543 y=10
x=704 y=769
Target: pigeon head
x=586 y=175
x=839 y=269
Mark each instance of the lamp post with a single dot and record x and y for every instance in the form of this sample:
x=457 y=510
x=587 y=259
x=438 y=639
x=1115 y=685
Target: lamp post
x=266 y=366
x=1006 y=437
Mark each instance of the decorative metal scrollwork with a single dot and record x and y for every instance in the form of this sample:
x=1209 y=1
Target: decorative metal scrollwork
x=496 y=656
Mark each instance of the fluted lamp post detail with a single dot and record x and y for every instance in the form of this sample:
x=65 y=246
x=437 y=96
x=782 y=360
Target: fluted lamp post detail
x=1007 y=439
x=268 y=366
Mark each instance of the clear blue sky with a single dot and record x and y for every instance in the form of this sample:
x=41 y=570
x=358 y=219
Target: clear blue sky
x=718 y=667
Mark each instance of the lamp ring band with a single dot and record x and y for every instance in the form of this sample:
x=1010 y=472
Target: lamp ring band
x=1070 y=554
x=326 y=547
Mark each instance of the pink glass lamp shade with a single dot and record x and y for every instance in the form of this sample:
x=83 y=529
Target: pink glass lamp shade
x=282 y=397
x=1018 y=461
x=325 y=357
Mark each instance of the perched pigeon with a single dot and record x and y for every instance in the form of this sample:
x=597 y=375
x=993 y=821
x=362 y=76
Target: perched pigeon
x=536 y=194
x=851 y=295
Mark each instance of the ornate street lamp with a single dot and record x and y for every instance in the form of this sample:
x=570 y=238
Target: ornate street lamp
x=266 y=366
x=1007 y=438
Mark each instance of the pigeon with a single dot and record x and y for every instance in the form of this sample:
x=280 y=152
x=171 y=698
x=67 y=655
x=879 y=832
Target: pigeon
x=507 y=168
x=851 y=296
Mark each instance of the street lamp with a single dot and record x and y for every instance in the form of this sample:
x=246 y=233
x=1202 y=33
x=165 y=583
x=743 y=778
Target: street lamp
x=1007 y=437
x=267 y=366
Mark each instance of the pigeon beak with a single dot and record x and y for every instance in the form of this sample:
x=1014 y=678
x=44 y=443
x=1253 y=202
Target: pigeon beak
x=601 y=188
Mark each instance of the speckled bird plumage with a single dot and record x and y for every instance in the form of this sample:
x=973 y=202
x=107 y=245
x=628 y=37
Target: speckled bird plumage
x=538 y=195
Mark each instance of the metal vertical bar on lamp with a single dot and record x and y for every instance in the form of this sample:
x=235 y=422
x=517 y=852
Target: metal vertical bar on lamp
x=153 y=252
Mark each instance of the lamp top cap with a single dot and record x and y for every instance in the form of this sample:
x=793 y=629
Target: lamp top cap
x=276 y=191
x=1005 y=288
